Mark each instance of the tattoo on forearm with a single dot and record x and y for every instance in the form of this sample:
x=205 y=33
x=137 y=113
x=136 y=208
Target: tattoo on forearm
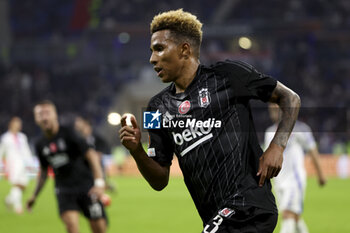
x=289 y=103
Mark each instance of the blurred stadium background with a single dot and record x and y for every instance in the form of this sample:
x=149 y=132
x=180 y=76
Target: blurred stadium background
x=91 y=58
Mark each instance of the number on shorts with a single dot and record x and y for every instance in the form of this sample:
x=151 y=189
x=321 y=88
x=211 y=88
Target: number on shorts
x=215 y=224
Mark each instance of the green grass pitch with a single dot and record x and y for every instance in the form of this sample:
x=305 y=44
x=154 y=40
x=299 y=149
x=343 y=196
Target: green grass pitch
x=136 y=208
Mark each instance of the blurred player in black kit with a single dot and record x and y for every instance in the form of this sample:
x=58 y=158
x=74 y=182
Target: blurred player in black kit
x=79 y=182
x=84 y=127
x=207 y=123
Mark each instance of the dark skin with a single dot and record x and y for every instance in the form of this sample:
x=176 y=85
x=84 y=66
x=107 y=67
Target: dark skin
x=177 y=63
x=156 y=175
x=173 y=61
x=270 y=163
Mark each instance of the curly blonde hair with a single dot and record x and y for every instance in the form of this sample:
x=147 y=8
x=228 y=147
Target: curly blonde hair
x=183 y=25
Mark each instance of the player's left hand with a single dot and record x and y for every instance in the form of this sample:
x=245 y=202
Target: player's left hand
x=270 y=163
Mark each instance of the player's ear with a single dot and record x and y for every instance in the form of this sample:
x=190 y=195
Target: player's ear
x=186 y=50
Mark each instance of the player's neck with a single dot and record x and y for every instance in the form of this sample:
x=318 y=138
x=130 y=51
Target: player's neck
x=13 y=131
x=188 y=74
x=50 y=133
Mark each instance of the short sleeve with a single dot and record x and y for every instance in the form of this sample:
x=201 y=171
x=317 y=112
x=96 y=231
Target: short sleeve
x=78 y=142
x=160 y=147
x=249 y=83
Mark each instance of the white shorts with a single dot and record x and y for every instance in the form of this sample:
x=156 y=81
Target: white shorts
x=17 y=173
x=290 y=198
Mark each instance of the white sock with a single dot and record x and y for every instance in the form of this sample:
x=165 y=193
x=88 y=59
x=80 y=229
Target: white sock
x=288 y=226
x=9 y=197
x=15 y=198
x=301 y=226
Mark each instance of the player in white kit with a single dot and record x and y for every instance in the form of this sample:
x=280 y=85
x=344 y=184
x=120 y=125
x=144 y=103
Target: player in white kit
x=290 y=184
x=14 y=146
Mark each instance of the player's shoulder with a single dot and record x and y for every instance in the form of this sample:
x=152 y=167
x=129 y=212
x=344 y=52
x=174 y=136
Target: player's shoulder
x=3 y=136
x=68 y=133
x=64 y=129
x=157 y=99
x=39 y=142
x=6 y=137
x=230 y=66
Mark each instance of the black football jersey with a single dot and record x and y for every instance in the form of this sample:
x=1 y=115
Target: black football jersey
x=210 y=129
x=65 y=153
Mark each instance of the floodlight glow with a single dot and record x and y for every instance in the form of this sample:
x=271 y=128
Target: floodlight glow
x=245 y=43
x=114 y=118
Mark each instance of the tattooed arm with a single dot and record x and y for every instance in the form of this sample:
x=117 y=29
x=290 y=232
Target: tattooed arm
x=289 y=103
x=270 y=162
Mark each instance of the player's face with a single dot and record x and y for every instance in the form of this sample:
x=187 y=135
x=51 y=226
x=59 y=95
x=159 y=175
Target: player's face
x=166 y=57
x=45 y=116
x=15 y=125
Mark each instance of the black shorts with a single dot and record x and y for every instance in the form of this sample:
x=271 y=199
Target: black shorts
x=242 y=220
x=82 y=202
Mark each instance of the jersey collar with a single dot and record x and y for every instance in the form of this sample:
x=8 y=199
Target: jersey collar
x=183 y=95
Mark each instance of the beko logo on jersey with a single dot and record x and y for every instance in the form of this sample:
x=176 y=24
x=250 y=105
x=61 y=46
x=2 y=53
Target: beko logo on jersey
x=190 y=134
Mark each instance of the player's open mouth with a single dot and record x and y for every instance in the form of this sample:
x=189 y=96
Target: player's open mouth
x=158 y=70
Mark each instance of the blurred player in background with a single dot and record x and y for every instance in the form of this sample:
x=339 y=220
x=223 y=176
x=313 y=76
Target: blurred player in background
x=84 y=127
x=14 y=145
x=290 y=184
x=78 y=174
x=225 y=170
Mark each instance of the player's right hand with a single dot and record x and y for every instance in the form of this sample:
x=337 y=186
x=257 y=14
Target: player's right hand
x=30 y=203
x=130 y=136
x=270 y=163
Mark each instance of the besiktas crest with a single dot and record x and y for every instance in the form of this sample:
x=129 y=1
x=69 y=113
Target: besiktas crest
x=204 y=98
